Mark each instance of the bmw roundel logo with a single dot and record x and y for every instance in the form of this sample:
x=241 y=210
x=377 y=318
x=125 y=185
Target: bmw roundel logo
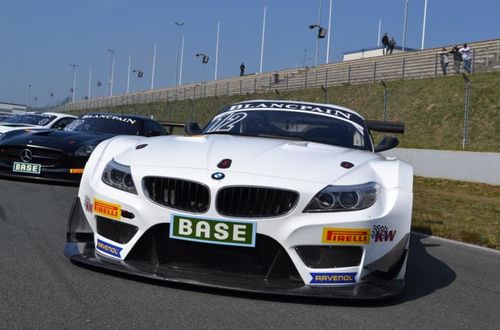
x=218 y=176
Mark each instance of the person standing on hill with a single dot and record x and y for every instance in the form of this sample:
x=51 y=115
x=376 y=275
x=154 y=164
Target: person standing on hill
x=466 y=57
x=457 y=58
x=385 y=43
x=242 y=69
x=443 y=59
x=392 y=44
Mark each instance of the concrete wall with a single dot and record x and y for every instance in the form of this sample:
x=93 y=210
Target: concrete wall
x=481 y=167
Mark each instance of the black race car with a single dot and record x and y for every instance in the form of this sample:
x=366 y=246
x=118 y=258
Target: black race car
x=60 y=155
x=4 y=116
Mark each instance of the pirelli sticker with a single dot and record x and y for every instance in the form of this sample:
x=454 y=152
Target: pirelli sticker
x=345 y=236
x=108 y=210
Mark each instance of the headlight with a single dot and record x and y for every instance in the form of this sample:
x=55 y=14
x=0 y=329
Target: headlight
x=86 y=150
x=344 y=198
x=118 y=176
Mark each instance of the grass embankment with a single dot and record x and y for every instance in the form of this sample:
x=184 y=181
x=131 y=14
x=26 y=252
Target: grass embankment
x=464 y=211
x=432 y=109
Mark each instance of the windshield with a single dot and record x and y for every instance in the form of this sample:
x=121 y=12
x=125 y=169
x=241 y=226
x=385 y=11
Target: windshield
x=38 y=119
x=291 y=125
x=109 y=124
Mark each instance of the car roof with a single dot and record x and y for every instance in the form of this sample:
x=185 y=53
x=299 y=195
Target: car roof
x=57 y=114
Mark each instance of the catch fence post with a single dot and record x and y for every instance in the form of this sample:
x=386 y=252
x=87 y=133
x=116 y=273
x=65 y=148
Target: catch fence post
x=403 y=68
x=466 y=110
x=349 y=75
x=374 y=72
x=436 y=66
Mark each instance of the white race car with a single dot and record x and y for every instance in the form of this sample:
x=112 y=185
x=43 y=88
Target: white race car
x=36 y=120
x=279 y=197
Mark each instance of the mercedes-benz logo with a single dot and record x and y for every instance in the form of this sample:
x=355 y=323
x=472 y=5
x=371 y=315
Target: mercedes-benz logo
x=26 y=155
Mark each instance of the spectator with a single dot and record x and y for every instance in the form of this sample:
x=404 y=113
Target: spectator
x=392 y=44
x=385 y=43
x=242 y=69
x=466 y=53
x=457 y=58
x=443 y=59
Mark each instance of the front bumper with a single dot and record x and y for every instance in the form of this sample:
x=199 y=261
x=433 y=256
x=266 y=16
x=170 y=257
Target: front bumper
x=277 y=276
x=48 y=174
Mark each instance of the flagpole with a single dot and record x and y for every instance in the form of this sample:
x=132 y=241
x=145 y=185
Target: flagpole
x=90 y=81
x=128 y=72
x=404 y=25
x=153 y=69
x=379 y=31
x=329 y=30
x=217 y=51
x=423 y=27
x=262 y=40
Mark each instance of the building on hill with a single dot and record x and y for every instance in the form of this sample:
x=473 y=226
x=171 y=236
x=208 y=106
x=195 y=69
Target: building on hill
x=12 y=108
x=373 y=52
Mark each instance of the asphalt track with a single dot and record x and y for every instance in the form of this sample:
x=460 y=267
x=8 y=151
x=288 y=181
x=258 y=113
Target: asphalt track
x=449 y=285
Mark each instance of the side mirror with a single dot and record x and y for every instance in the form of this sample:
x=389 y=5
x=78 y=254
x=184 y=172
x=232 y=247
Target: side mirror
x=153 y=133
x=388 y=142
x=192 y=128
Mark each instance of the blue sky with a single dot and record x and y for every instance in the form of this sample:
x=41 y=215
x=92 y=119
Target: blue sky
x=40 y=39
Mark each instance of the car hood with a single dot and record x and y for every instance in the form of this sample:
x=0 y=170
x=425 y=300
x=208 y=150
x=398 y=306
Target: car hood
x=4 y=128
x=298 y=160
x=52 y=138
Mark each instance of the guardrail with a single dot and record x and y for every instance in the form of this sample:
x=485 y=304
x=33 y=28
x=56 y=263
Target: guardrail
x=412 y=65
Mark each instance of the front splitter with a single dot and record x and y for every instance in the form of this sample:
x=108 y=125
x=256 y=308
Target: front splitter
x=84 y=253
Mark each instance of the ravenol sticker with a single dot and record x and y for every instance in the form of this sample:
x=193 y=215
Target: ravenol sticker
x=213 y=231
x=108 y=210
x=345 y=236
x=382 y=233
x=333 y=278
x=109 y=248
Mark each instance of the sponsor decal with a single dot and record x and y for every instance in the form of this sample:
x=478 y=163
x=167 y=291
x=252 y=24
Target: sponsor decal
x=333 y=278
x=88 y=204
x=226 y=122
x=213 y=231
x=111 y=117
x=109 y=248
x=314 y=108
x=382 y=233
x=26 y=168
x=293 y=106
x=108 y=210
x=346 y=236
